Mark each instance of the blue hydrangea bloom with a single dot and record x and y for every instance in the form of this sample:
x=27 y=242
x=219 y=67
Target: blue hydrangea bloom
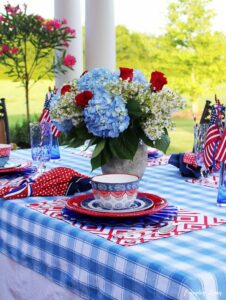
x=97 y=77
x=138 y=76
x=106 y=115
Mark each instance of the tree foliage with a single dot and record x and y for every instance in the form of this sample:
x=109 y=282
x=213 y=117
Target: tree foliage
x=27 y=43
x=192 y=56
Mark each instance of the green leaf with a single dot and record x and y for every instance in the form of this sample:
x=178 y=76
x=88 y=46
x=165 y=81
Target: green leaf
x=134 y=108
x=76 y=143
x=106 y=154
x=99 y=148
x=102 y=158
x=163 y=143
x=96 y=162
x=125 y=146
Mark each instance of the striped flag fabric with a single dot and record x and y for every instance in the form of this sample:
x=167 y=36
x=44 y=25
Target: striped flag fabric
x=45 y=116
x=221 y=149
x=212 y=138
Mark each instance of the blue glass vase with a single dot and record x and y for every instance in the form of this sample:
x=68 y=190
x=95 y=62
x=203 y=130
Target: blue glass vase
x=221 y=197
x=55 y=151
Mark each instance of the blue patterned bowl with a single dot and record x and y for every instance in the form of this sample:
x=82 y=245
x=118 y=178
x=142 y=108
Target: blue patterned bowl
x=115 y=191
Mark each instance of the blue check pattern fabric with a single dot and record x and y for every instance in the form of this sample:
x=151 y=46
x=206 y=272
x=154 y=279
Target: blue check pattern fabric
x=185 y=267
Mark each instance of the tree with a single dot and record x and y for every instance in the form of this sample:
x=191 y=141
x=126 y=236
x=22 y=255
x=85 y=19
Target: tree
x=196 y=54
x=27 y=43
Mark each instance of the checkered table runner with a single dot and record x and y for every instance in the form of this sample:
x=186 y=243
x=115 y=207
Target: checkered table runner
x=185 y=267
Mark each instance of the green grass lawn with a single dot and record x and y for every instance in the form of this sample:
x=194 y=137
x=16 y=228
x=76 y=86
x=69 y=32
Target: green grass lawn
x=182 y=137
x=13 y=92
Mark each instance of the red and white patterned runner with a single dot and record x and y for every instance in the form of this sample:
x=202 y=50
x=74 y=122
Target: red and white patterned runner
x=212 y=181
x=185 y=221
x=163 y=160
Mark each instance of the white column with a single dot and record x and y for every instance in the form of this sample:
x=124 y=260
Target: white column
x=71 y=11
x=100 y=34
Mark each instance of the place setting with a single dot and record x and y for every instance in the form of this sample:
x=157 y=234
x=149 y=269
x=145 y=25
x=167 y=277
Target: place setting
x=116 y=195
x=116 y=210
x=13 y=170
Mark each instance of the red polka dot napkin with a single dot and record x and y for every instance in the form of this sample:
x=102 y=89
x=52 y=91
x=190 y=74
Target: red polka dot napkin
x=56 y=182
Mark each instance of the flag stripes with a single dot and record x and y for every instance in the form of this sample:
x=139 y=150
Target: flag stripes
x=45 y=117
x=221 y=149
x=213 y=136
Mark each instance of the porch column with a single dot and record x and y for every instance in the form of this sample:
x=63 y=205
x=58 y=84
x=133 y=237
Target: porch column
x=71 y=11
x=100 y=34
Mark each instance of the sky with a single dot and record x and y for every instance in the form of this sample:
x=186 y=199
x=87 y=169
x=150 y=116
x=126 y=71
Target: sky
x=146 y=16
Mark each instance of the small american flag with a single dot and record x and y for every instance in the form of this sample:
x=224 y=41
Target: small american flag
x=45 y=116
x=212 y=137
x=221 y=149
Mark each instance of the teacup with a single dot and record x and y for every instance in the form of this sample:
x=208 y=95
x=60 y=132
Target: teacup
x=4 y=154
x=115 y=191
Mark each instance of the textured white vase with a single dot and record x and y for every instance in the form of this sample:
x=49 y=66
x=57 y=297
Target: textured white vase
x=136 y=166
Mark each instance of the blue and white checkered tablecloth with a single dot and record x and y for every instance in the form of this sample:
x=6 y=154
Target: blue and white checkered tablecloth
x=189 y=266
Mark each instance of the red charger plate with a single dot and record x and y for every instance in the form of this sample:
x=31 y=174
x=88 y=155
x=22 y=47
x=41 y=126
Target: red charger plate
x=74 y=204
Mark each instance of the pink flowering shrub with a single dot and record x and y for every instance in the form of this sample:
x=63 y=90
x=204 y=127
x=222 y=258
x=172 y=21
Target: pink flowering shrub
x=27 y=41
x=69 y=60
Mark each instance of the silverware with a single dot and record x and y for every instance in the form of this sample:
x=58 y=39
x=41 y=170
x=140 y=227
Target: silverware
x=161 y=230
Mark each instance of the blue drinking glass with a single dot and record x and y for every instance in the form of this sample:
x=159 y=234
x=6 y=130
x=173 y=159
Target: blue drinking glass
x=41 y=143
x=221 y=197
x=55 y=151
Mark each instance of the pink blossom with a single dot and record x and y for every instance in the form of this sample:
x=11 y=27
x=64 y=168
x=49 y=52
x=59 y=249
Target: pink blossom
x=2 y=19
x=52 y=24
x=5 y=48
x=39 y=18
x=12 y=10
x=66 y=44
x=14 y=50
x=63 y=21
x=56 y=24
x=69 y=60
x=71 y=31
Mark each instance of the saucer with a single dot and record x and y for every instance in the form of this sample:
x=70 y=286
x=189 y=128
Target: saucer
x=141 y=203
x=74 y=204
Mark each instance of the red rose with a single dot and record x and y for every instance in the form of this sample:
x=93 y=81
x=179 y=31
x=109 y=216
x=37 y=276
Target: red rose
x=65 y=88
x=126 y=74
x=83 y=98
x=158 y=80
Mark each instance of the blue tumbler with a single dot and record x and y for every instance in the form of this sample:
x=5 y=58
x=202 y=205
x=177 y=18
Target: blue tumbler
x=221 y=197
x=55 y=151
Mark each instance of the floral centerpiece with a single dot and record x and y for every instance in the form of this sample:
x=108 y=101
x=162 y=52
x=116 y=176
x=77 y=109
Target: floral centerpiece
x=115 y=111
